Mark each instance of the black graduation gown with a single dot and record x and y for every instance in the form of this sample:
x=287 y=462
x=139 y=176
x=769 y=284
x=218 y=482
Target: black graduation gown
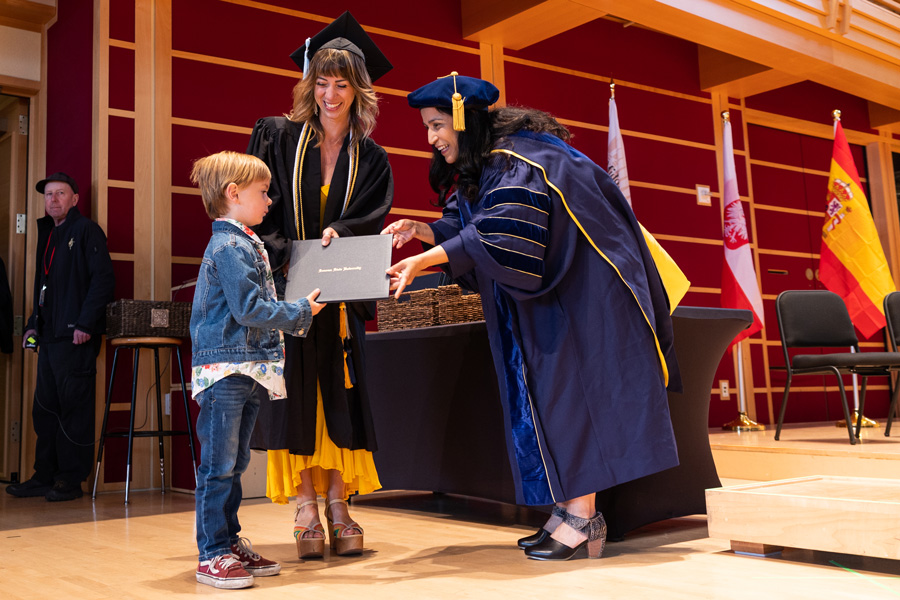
x=291 y=423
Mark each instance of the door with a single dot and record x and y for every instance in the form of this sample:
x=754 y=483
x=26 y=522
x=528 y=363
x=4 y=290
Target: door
x=13 y=209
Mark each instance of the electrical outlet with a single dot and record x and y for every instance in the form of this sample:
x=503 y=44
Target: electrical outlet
x=724 y=392
x=168 y=406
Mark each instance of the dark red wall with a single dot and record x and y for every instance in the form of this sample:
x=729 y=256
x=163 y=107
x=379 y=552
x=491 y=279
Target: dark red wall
x=70 y=67
x=658 y=98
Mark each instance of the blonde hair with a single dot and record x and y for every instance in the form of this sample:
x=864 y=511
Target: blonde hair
x=331 y=62
x=213 y=174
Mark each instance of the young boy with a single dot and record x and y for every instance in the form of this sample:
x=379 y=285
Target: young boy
x=238 y=357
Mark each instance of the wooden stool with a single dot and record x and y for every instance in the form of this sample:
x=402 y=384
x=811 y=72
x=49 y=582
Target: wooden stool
x=136 y=344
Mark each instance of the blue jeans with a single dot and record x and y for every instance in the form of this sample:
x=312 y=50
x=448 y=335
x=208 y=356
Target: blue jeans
x=228 y=412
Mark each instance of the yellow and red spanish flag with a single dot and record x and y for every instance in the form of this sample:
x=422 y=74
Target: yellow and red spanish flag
x=852 y=262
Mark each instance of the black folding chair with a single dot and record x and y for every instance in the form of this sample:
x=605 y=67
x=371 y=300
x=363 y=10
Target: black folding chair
x=892 y=315
x=819 y=319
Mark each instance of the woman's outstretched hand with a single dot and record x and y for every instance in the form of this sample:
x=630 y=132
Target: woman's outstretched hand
x=403 y=273
x=406 y=230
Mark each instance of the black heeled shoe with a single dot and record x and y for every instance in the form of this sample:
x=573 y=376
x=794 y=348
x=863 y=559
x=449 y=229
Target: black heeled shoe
x=595 y=530
x=556 y=517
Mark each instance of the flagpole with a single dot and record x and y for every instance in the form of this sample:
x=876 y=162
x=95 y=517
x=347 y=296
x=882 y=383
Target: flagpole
x=866 y=422
x=742 y=422
x=615 y=148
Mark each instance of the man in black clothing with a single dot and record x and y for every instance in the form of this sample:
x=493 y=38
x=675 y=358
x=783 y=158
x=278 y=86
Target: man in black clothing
x=73 y=284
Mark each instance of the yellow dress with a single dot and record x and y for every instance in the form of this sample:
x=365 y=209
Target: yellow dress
x=357 y=467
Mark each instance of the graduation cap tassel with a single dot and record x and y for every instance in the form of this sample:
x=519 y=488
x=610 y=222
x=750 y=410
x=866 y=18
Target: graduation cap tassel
x=349 y=379
x=459 y=111
x=306 y=59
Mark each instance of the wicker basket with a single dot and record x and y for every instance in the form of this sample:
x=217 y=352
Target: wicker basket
x=147 y=318
x=414 y=309
x=455 y=307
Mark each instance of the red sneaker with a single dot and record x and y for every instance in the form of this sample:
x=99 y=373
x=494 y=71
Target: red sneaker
x=224 y=572
x=253 y=562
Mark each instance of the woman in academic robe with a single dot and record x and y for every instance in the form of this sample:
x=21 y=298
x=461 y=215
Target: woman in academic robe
x=577 y=316
x=329 y=180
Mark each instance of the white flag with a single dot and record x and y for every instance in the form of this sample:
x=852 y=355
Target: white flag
x=615 y=149
x=739 y=287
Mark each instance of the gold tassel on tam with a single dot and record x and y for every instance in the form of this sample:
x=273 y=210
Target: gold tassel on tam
x=345 y=336
x=458 y=105
x=459 y=109
x=459 y=114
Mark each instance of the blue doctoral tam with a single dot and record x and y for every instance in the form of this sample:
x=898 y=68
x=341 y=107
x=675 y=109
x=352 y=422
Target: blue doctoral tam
x=476 y=93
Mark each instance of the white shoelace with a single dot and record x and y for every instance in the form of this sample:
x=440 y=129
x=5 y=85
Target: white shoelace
x=221 y=563
x=246 y=547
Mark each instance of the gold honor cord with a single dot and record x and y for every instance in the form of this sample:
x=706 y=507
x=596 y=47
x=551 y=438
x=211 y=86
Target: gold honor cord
x=351 y=175
x=662 y=359
x=305 y=135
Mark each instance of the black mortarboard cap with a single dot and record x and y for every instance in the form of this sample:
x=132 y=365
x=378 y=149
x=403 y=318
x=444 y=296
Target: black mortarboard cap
x=61 y=177
x=345 y=33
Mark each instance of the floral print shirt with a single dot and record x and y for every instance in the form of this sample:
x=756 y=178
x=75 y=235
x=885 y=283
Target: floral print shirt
x=268 y=373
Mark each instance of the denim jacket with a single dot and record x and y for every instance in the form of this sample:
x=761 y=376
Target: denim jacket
x=234 y=317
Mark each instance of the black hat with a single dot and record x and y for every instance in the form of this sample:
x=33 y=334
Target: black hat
x=62 y=177
x=345 y=33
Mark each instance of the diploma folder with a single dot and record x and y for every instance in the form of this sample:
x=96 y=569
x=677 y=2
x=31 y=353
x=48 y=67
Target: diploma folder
x=349 y=269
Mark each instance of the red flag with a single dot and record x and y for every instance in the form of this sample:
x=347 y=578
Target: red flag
x=739 y=287
x=852 y=262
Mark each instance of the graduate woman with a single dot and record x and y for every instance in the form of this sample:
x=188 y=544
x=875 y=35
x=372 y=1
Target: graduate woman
x=329 y=180
x=577 y=318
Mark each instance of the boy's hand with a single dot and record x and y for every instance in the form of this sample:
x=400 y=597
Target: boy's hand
x=315 y=306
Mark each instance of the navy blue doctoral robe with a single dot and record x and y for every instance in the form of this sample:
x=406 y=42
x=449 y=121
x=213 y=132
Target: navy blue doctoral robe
x=577 y=318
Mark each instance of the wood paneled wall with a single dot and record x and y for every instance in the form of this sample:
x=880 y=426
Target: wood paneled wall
x=179 y=79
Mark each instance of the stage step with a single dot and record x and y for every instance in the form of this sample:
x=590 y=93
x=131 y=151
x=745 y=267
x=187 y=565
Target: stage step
x=805 y=449
x=850 y=515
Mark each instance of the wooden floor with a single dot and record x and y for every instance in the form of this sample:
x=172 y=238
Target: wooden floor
x=418 y=545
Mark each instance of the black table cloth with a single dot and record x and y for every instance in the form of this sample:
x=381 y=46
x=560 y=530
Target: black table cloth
x=438 y=419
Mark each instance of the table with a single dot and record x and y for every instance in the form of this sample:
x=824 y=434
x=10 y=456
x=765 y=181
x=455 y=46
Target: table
x=439 y=427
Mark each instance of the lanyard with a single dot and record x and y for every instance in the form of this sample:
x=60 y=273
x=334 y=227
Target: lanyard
x=46 y=266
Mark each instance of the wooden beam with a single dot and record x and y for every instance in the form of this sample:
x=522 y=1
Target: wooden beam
x=492 y=69
x=23 y=14
x=883 y=194
x=737 y=77
x=16 y=86
x=884 y=116
x=162 y=148
x=516 y=24
x=788 y=38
